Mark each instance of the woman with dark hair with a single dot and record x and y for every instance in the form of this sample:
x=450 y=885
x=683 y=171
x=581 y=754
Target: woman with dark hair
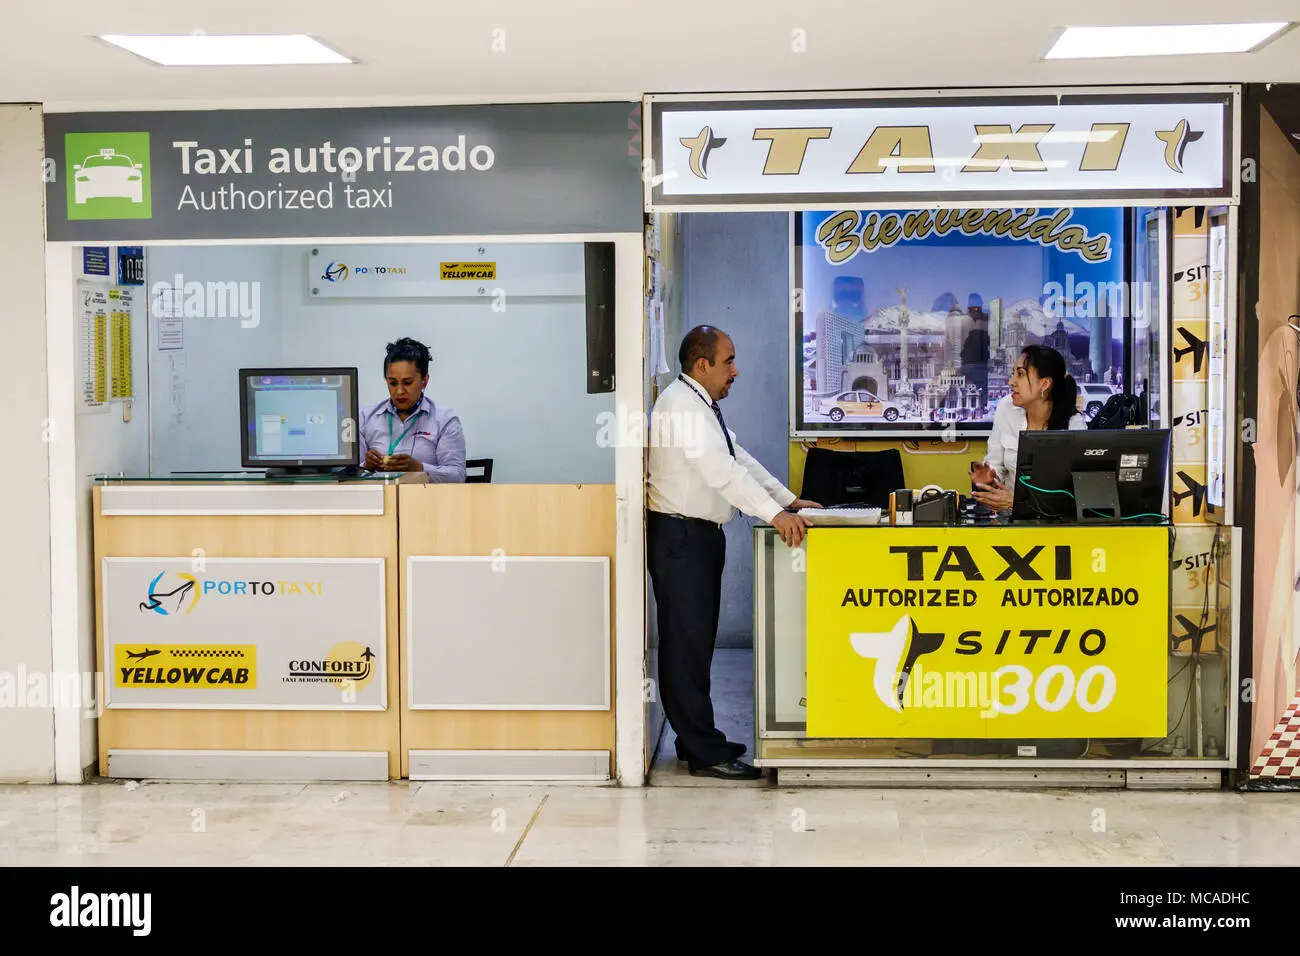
x=409 y=432
x=1043 y=397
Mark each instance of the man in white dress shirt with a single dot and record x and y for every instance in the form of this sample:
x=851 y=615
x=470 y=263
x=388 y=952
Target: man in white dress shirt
x=698 y=477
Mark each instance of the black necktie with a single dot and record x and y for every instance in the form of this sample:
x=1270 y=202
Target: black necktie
x=723 y=425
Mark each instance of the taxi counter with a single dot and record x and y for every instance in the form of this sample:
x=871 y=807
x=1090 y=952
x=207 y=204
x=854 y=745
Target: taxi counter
x=990 y=653
x=371 y=628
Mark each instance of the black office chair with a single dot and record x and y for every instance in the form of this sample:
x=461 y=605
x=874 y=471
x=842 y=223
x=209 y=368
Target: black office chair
x=484 y=468
x=852 y=477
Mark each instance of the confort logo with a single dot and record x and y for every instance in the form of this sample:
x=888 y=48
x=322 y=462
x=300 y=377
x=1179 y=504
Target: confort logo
x=170 y=598
x=346 y=664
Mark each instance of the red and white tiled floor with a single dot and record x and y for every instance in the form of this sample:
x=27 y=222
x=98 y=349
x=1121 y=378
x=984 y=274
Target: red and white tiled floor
x=1282 y=752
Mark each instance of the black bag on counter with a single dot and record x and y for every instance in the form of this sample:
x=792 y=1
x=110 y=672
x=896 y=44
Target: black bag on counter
x=863 y=478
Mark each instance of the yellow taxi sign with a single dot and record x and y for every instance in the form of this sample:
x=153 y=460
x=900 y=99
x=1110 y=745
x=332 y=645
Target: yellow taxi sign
x=963 y=633
x=467 y=270
x=187 y=666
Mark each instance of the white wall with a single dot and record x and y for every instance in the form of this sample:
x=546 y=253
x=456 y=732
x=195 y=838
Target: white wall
x=99 y=441
x=515 y=377
x=26 y=646
x=194 y=399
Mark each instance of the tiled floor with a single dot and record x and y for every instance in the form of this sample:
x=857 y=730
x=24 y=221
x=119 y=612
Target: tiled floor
x=733 y=712
x=427 y=824
x=678 y=820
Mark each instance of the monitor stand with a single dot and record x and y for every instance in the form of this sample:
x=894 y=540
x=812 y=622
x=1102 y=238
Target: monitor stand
x=296 y=471
x=1096 y=496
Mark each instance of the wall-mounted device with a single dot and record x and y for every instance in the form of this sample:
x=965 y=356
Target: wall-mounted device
x=598 y=259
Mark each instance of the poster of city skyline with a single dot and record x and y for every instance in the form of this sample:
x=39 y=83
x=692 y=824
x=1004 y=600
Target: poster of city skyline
x=909 y=322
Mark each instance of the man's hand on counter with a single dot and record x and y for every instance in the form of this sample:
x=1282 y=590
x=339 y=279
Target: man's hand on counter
x=800 y=503
x=790 y=527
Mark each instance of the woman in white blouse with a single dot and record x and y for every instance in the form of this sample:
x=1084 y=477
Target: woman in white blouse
x=1043 y=397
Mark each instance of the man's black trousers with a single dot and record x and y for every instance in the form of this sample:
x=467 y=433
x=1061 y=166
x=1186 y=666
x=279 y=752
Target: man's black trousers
x=686 y=556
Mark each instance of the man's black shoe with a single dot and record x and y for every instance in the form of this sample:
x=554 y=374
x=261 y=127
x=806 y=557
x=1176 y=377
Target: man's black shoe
x=731 y=770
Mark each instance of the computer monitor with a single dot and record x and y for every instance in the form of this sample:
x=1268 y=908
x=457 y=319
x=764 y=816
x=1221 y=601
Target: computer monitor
x=1092 y=475
x=299 y=420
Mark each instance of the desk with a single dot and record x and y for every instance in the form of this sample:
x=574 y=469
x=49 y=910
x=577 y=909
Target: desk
x=828 y=656
x=291 y=581
x=316 y=629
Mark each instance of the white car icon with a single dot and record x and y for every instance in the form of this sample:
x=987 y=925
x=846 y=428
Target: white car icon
x=108 y=175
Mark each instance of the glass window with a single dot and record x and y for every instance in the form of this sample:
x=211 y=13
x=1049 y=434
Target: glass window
x=928 y=309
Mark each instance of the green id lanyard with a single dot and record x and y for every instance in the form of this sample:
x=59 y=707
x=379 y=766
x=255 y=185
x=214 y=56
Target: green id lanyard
x=415 y=417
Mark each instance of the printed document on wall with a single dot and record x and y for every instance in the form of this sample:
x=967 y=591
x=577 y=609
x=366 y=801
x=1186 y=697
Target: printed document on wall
x=92 y=342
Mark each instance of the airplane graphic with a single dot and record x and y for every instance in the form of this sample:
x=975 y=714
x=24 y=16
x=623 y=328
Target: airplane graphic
x=1196 y=491
x=1178 y=419
x=1196 y=346
x=895 y=653
x=700 y=146
x=1176 y=141
x=1178 y=562
x=155 y=597
x=1192 y=632
x=147 y=652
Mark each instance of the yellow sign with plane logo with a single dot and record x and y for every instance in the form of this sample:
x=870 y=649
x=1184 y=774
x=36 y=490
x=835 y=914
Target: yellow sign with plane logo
x=988 y=632
x=188 y=666
x=467 y=270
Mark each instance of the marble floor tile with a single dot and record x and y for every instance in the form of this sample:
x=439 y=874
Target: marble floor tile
x=733 y=712
x=441 y=825
x=701 y=823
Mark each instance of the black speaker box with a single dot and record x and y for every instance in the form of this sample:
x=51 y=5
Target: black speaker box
x=599 y=268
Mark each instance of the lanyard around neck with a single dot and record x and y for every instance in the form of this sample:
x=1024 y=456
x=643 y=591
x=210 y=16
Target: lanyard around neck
x=415 y=417
x=682 y=378
x=717 y=413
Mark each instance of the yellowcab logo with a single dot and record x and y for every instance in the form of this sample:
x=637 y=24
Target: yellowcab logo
x=467 y=270
x=189 y=666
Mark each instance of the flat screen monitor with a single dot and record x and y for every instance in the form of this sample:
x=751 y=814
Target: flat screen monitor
x=299 y=420
x=1101 y=475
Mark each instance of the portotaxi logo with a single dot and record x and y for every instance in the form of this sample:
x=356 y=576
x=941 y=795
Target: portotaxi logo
x=187 y=666
x=336 y=272
x=180 y=594
x=171 y=601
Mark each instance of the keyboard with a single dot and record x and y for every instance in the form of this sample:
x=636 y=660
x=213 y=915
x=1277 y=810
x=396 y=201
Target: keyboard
x=841 y=516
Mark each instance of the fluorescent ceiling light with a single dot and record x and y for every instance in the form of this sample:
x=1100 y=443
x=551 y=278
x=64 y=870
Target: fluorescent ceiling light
x=1083 y=42
x=203 y=50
